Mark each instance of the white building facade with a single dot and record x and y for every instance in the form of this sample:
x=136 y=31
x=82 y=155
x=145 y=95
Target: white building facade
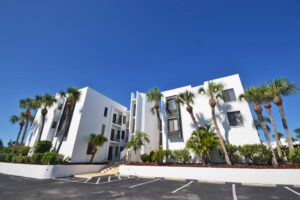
x=93 y=113
x=98 y=114
x=234 y=117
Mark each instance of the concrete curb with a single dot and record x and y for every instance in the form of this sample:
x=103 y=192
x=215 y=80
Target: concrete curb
x=258 y=185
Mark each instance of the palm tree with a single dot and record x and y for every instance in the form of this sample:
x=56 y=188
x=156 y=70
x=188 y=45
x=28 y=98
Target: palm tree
x=155 y=96
x=215 y=91
x=36 y=104
x=297 y=131
x=253 y=95
x=137 y=140
x=277 y=89
x=266 y=98
x=27 y=104
x=73 y=96
x=187 y=98
x=21 y=119
x=95 y=142
x=203 y=141
x=46 y=101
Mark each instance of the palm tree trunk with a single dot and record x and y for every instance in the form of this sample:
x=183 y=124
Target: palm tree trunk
x=92 y=158
x=42 y=128
x=286 y=129
x=221 y=140
x=194 y=120
x=275 y=132
x=159 y=125
x=25 y=130
x=267 y=137
x=17 y=140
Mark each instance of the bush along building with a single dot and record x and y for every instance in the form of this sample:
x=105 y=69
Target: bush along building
x=69 y=128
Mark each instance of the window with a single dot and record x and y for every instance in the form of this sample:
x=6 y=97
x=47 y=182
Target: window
x=60 y=106
x=112 y=135
x=229 y=95
x=120 y=119
x=114 y=118
x=124 y=119
x=123 y=135
x=105 y=111
x=171 y=105
x=102 y=129
x=54 y=124
x=173 y=125
x=235 y=118
x=134 y=109
x=118 y=135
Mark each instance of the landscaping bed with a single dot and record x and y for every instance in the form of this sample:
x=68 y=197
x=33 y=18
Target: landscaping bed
x=216 y=165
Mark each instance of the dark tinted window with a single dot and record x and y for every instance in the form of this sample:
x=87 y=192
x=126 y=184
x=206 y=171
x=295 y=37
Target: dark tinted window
x=229 y=95
x=105 y=111
x=235 y=118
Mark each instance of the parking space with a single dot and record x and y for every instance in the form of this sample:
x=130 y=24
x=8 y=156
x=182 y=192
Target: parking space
x=116 y=187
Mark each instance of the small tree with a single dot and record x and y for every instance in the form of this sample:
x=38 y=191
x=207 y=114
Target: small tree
x=203 y=141
x=297 y=131
x=137 y=140
x=95 y=142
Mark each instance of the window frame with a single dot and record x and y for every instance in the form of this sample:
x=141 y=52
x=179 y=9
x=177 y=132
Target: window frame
x=236 y=119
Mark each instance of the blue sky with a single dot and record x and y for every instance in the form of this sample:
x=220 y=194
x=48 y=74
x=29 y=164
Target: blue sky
x=121 y=46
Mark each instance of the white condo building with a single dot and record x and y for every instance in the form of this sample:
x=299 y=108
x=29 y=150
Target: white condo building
x=93 y=113
x=96 y=113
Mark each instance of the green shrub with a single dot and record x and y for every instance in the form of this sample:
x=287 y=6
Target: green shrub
x=23 y=150
x=169 y=155
x=52 y=158
x=295 y=158
x=158 y=156
x=36 y=158
x=42 y=146
x=7 y=157
x=151 y=156
x=181 y=156
x=20 y=159
x=234 y=153
x=6 y=149
x=256 y=154
x=144 y=157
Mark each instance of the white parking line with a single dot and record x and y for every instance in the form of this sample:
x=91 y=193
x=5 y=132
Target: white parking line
x=108 y=180
x=87 y=180
x=119 y=177
x=297 y=193
x=98 y=180
x=234 y=192
x=173 y=192
x=143 y=183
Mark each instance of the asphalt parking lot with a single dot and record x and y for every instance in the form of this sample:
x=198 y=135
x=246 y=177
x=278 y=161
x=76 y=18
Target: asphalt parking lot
x=116 y=187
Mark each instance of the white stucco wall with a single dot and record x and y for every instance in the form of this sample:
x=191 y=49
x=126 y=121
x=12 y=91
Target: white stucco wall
x=47 y=171
x=253 y=176
x=245 y=134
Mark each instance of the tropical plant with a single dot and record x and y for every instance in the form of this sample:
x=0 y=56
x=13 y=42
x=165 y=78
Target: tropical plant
x=73 y=96
x=35 y=105
x=253 y=96
x=137 y=140
x=202 y=142
x=277 y=89
x=187 y=98
x=257 y=124
x=42 y=146
x=23 y=150
x=21 y=119
x=144 y=157
x=267 y=99
x=154 y=95
x=46 y=101
x=95 y=142
x=256 y=154
x=297 y=131
x=181 y=156
x=215 y=91
x=27 y=104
